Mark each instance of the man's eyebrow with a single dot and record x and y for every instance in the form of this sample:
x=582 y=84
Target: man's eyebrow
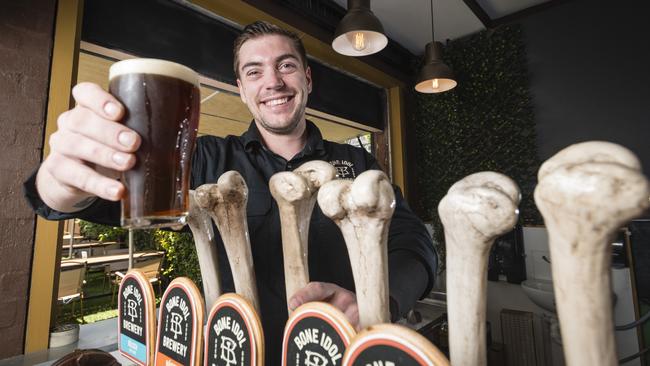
x=277 y=60
x=286 y=56
x=251 y=64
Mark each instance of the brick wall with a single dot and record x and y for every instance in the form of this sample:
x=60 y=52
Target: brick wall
x=26 y=29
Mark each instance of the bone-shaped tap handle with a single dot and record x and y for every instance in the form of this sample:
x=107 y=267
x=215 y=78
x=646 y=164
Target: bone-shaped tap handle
x=363 y=209
x=226 y=202
x=476 y=210
x=206 y=250
x=586 y=192
x=295 y=193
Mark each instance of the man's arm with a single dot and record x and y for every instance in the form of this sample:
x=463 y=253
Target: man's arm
x=412 y=259
x=99 y=210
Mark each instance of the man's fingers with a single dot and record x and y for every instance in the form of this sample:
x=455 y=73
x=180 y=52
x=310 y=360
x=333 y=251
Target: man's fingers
x=343 y=299
x=85 y=121
x=323 y=291
x=314 y=291
x=340 y=298
x=80 y=147
x=107 y=172
x=77 y=175
x=93 y=97
x=346 y=301
x=352 y=313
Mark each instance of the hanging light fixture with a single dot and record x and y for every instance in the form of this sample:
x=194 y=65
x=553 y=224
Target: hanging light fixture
x=359 y=33
x=434 y=76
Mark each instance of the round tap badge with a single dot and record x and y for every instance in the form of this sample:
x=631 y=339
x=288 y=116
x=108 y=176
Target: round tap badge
x=136 y=318
x=180 y=325
x=316 y=334
x=234 y=334
x=392 y=345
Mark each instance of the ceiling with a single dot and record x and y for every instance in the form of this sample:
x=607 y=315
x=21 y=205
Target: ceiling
x=408 y=22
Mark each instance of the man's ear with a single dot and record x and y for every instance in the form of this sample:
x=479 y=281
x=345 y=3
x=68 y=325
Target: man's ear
x=308 y=77
x=241 y=91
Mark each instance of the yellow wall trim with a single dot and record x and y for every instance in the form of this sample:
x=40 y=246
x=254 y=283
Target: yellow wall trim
x=44 y=264
x=397 y=156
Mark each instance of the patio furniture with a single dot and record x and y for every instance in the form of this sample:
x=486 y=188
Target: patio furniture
x=150 y=267
x=71 y=281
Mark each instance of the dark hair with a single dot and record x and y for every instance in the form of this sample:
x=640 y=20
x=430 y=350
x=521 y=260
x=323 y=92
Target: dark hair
x=261 y=28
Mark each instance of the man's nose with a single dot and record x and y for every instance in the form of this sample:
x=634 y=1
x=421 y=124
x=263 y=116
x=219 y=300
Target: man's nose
x=274 y=80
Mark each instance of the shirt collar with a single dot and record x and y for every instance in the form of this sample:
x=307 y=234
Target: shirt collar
x=252 y=138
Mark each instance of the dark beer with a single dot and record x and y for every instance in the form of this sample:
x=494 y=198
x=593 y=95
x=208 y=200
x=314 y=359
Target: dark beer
x=162 y=102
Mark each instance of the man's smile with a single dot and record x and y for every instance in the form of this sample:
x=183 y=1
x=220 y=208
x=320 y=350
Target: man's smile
x=276 y=101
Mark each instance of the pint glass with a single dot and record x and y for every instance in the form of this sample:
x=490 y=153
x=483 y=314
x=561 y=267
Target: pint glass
x=162 y=102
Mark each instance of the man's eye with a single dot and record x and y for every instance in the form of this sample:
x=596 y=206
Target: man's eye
x=287 y=67
x=252 y=73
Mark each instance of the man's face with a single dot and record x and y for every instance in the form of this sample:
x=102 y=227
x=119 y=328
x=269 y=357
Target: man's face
x=273 y=83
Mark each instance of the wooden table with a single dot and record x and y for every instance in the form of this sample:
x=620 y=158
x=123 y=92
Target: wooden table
x=75 y=237
x=107 y=259
x=93 y=248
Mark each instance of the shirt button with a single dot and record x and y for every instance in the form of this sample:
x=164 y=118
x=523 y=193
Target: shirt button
x=289 y=166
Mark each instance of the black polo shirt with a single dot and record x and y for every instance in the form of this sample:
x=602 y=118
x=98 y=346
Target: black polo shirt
x=412 y=260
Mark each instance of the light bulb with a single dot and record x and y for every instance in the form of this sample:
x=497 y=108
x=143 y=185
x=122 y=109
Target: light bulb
x=435 y=84
x=359 y=41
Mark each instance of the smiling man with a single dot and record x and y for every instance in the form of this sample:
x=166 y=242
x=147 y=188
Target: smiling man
x=274 y=82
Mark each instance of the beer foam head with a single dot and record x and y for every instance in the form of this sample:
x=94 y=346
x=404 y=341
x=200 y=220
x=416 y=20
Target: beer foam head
x=153 y=66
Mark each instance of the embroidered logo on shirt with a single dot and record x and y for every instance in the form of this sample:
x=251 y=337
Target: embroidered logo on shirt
x=344 y=169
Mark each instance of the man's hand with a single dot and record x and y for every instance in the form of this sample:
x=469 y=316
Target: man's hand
x=87 y=152
x=340 y=298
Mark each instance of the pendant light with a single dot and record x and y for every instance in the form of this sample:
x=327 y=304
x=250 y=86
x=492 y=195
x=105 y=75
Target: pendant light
x=359 y=33
x=434 y=76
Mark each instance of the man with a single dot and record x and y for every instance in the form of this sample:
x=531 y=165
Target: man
x=91 y=147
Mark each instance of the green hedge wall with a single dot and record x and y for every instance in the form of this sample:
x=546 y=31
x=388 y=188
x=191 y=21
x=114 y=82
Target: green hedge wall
x=485 y=123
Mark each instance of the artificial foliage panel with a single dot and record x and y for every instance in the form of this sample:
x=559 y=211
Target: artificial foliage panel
x=485 y=123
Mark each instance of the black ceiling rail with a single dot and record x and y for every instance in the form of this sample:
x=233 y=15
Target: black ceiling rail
x=519 y=15
x=478 y=11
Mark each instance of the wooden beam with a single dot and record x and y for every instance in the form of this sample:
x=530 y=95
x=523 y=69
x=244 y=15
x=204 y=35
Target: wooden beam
x=478 y=11
x=519 y=15
x=397 y=156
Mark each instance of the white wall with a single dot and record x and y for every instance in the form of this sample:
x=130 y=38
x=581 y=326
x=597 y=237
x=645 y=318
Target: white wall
x=502 y=295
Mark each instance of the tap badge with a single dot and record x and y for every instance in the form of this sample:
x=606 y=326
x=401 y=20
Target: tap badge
x=392 y=345
x=228 y=339
x=176 y=328
x=132 y=320
x=313 y=341
x=386 y=355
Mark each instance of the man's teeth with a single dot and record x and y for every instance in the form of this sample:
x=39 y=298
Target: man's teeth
x=275 y=102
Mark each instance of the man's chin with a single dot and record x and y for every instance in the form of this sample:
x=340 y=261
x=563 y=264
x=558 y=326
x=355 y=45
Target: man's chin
x=280 y=128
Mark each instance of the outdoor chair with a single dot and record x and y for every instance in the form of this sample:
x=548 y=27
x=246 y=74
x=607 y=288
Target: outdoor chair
x=71 y=281
x=111 y=268
x=150 y=267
